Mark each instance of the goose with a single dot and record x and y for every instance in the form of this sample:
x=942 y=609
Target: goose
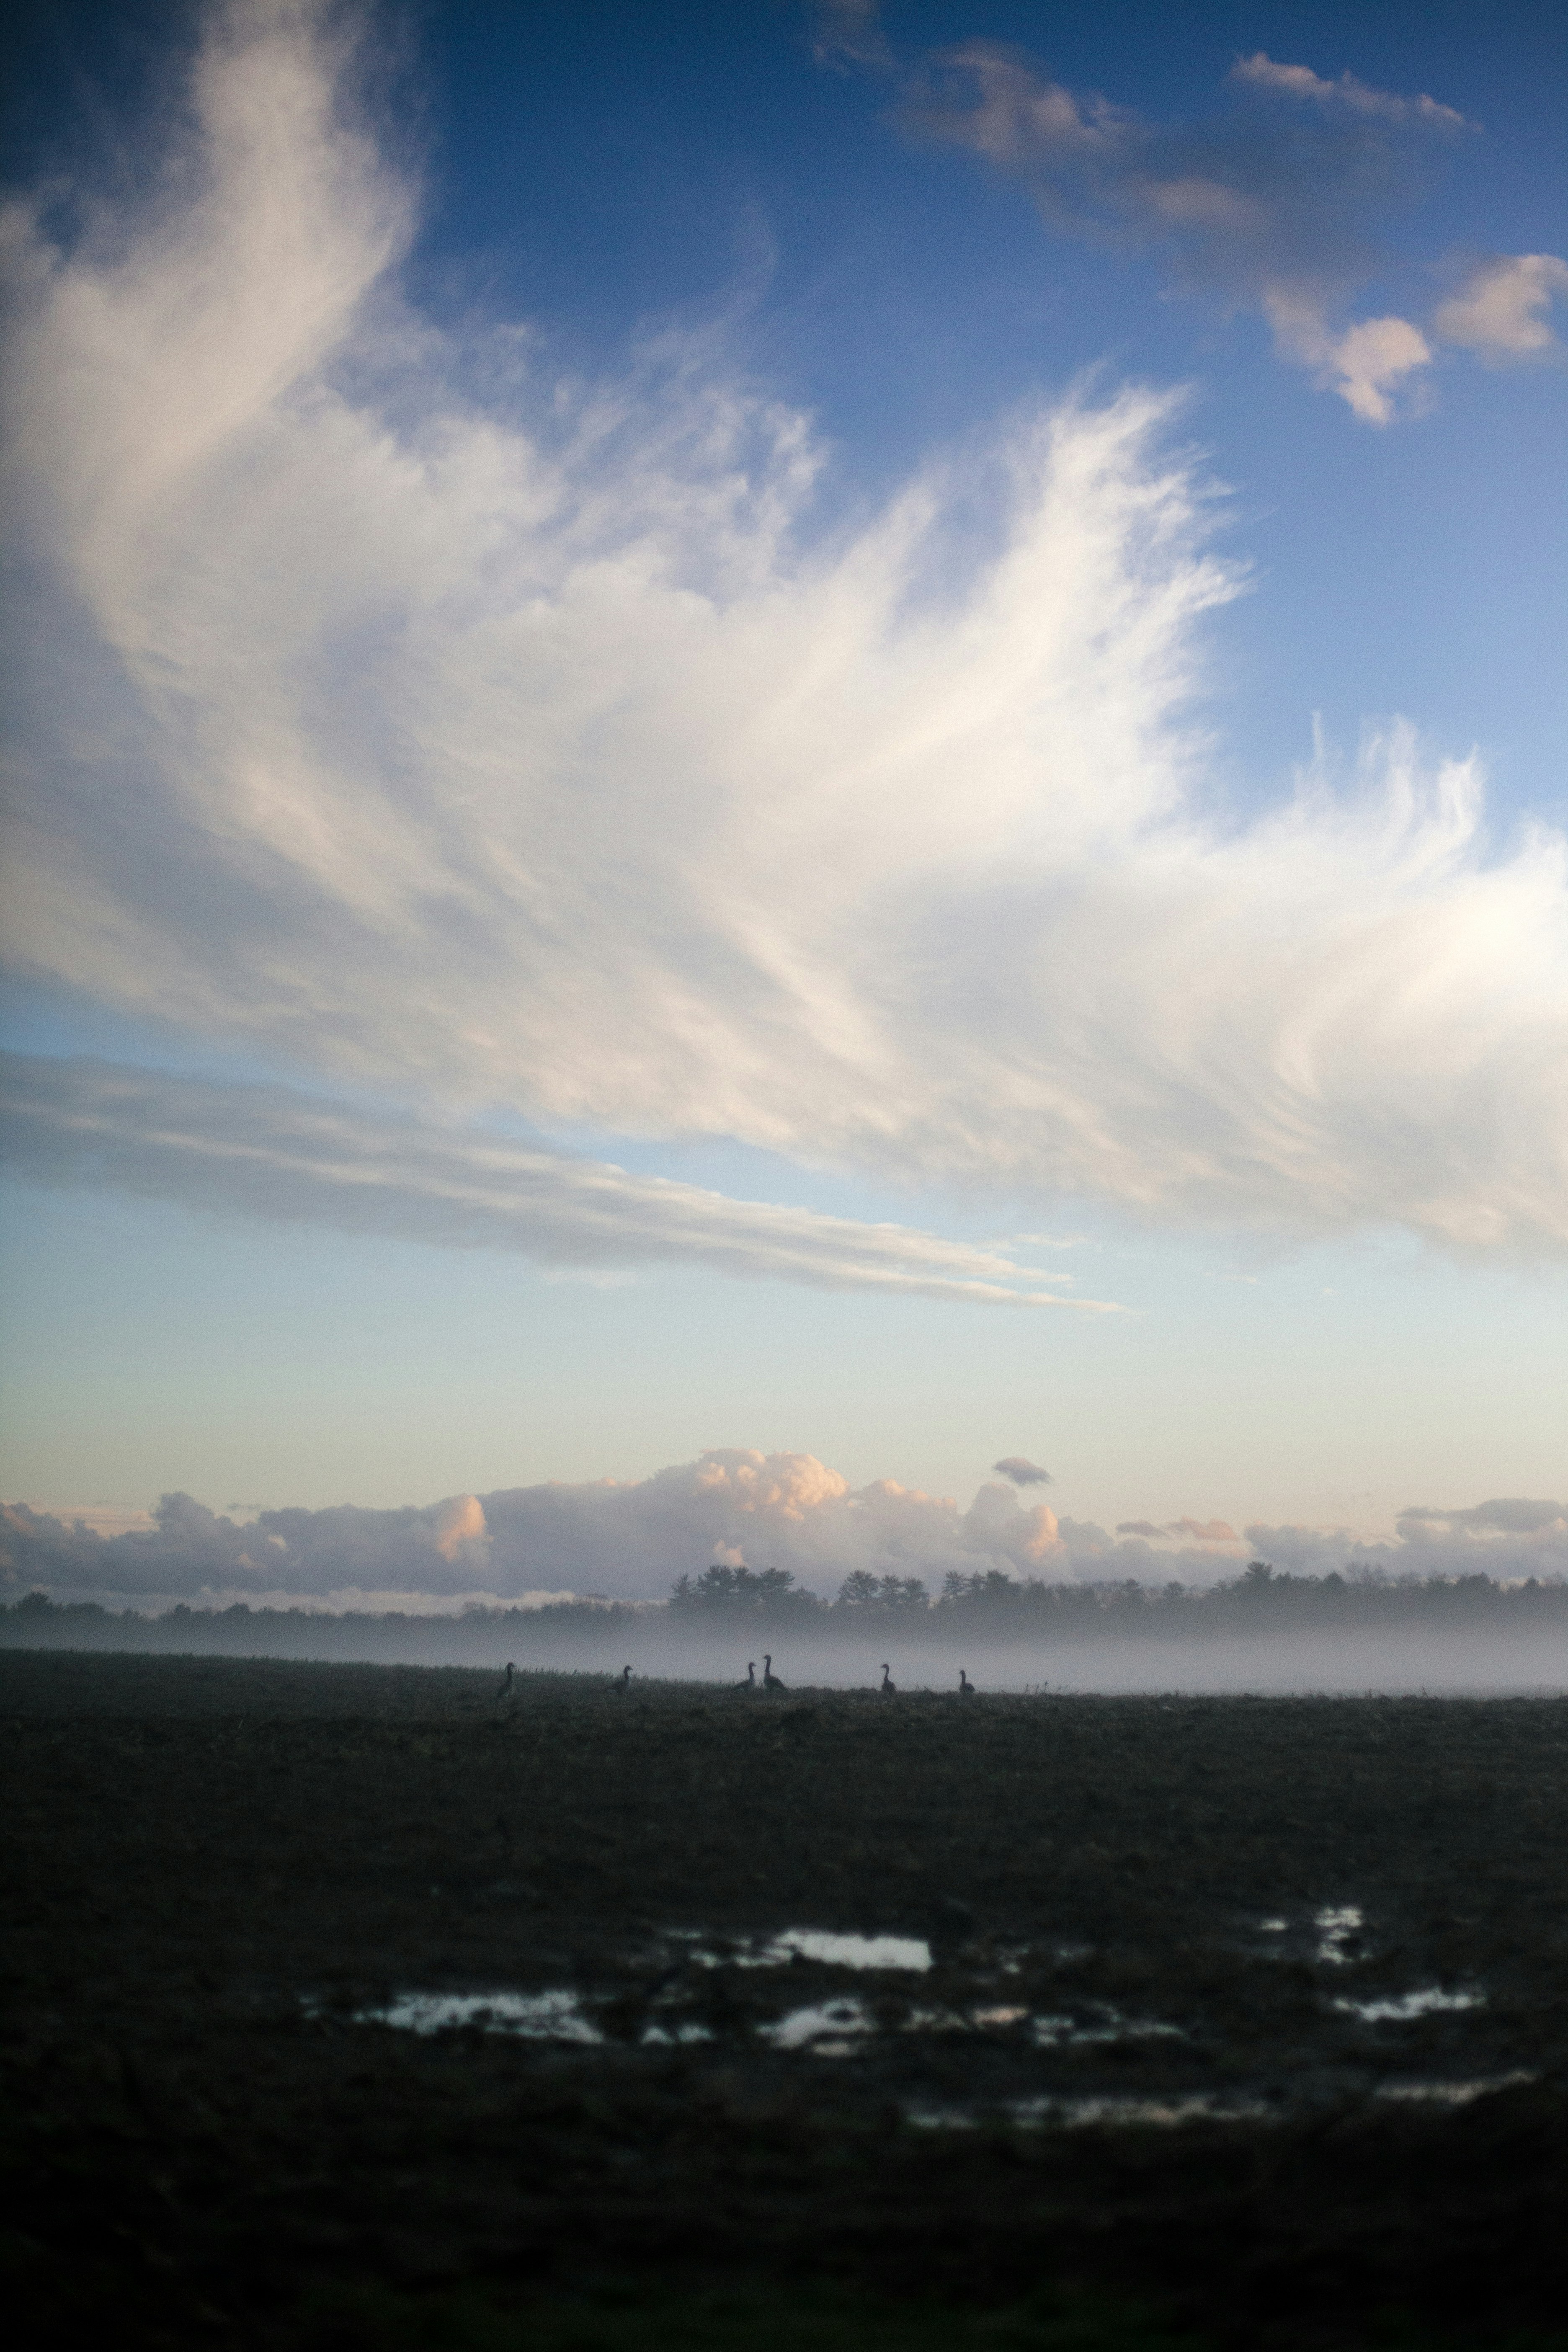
x=890 y=1688
x=624 y=1681
x=965 y=1687
x=750 y=1682
x=506 y=1680
x=770 y=1680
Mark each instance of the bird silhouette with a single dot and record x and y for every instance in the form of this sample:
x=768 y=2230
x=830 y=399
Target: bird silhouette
x=624 y=1681
x=965 y=1687
x=890 y=1688
x=770 y=1680
x=750 y=1682
x=506 y=1680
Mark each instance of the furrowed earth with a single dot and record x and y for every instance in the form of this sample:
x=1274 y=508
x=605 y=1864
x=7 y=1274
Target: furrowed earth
x=352 y=2006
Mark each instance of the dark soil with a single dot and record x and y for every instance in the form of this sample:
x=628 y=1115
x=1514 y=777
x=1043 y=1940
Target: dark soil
x=216 y=1867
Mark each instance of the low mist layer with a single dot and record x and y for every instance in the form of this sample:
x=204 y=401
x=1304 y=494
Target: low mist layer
x=1262 y=1631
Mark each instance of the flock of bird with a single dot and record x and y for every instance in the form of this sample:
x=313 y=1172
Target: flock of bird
x=769 y=1681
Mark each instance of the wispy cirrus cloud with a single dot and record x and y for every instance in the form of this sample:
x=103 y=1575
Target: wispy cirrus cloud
x=847 y=33
x=451 y=731
x=268 y=1152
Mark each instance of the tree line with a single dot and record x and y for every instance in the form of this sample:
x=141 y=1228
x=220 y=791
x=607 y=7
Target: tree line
x=981 y=1605
x=990 y=1600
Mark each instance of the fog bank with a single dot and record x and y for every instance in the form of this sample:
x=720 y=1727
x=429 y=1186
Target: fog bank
x=1495 y=1642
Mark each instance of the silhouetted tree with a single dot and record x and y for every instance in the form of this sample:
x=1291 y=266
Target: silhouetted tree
x=722 y=1592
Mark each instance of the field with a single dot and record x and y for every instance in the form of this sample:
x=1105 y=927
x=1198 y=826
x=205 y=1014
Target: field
x=346 y=2006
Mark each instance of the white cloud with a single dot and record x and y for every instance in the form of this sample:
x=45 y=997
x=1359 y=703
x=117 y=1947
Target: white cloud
x=1508 y=1537
x=258 y=1151
x=487 y=740
x=1367 y=364
x=1503 y=307
x=1371 y=360
x=1272 y=220
x=630 y=1539
x=1262 y=72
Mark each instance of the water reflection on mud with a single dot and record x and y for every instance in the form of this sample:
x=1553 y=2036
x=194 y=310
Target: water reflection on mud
x=1457 y=2094
x=829 y=1948
x=1070 y=2114
x=1403 y=2009
x=1010 y=2031
x=1338 y=1925
x=827 y=2030
x=554 y=2016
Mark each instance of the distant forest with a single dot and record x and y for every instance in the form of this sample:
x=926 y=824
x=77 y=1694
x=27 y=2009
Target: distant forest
x=746 y=1603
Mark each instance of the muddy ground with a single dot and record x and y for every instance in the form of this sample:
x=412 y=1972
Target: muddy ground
x=1206 y=2022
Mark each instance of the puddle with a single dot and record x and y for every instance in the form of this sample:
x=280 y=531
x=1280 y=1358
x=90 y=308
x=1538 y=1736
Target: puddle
x=1077 y=2114
x=827 y=1948
x=829 y=2030
x=1334 y=1928
x=1046 y=2033
x=1457 y=2094
x=1402 y=2007
x=534 y=2016
x=1336 y=1924
x=1198 y=2107
x=1054 y=2032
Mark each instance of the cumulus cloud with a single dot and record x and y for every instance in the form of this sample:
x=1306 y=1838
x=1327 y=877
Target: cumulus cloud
x=1274 y=218
x=1366 y=364
x=483 y=740
x=622 y=1539
x=1185 y=1530
x=1022 y=1471
x=268 y=1152
x=1503 y=307
x=1508 y=1537
x=630 y=1539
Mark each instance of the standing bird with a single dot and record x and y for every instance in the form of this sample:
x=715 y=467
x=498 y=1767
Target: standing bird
x=506 y=1680
x=890 y=1688
x=750 y=1682
x=770 y=1680
x=965 y=1687
x=622 y=1680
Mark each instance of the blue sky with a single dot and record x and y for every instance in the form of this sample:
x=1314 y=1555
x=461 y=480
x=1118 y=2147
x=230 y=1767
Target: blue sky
x=948 y=621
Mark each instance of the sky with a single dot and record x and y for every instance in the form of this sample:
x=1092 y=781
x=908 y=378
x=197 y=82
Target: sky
x=757 y=758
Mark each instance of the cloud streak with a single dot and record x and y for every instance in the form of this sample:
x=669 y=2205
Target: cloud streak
x=1261 y=72
x=268 y=1152
x=448 y=730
